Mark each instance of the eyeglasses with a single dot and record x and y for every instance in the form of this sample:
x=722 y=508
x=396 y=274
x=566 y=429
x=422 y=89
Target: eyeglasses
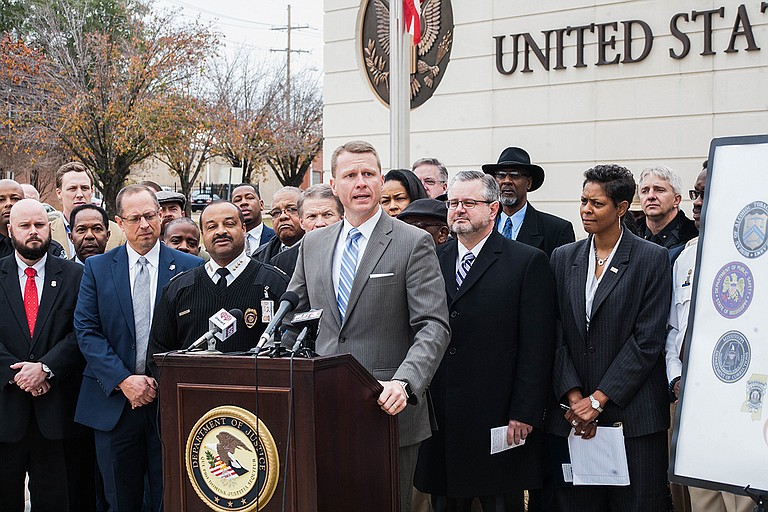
x=452 y=204
x=135 y=219
x=422 y=225
x=429 y=182
x=502 y=175
x=695 y=194
x=277 y=212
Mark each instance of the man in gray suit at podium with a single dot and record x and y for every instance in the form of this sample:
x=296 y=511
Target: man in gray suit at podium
x=379 y=283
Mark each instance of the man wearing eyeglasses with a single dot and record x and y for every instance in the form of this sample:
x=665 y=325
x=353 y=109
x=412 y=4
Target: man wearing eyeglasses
x=112 y=322
x=518 y=219
x=501 y=298
x=318 y=207
x=430 y=215
x=433 y=175
x=285 y=222
x=660 y=190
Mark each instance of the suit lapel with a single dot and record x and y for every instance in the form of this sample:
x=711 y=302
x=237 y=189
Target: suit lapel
x=9 y=280
x=380 y=240
x=577 y=281
x=620 y=262
x=166 y=269
x=488 y=255
x=328 y=246
x=529 y=231
x=122 y=282
x=50 y=292
x=447 y=257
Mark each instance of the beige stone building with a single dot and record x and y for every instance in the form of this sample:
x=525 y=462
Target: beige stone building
x=629 y=82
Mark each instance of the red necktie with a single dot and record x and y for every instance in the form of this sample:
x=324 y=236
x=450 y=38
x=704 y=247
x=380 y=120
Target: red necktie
x=30 y=299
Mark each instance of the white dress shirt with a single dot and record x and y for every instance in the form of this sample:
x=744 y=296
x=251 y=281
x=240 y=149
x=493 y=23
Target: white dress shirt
x=153 y=257
x=253 y=237
x=592 y=281
x=235 y=267
x=39 y=278
x=366 y=229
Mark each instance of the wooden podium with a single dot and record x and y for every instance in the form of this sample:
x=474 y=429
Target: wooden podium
x=343 y=448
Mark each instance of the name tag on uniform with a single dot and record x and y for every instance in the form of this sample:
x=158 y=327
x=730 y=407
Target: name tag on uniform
x=267 y=310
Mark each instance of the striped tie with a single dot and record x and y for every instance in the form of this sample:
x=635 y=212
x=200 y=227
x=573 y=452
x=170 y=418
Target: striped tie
x=142 y=315
x=463 y=270
x=347 y=271
x=507 y=231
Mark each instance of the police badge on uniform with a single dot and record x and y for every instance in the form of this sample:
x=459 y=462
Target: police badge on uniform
x=250 y=317
x=749 y=230
x=731 y=357
x=756 y=387
x=732 y=289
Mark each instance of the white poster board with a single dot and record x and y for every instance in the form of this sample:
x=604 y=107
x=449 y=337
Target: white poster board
x=721 y=439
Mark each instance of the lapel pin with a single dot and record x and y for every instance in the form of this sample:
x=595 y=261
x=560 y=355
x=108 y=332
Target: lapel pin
x=614 y=270
x=172 y=267
x=53 y=284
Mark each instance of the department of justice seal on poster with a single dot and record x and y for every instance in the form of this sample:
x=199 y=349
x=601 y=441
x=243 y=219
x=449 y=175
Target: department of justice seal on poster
x=749 y=230
x=232 y=460
x=732 y=289
x=731 y=356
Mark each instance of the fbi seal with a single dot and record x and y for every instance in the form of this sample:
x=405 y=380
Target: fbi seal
x=749 y=230
x=232 y=460
x=730 y=359
x=732 y=289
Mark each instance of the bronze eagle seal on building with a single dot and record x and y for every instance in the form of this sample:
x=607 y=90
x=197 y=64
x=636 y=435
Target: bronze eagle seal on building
x=429 y=56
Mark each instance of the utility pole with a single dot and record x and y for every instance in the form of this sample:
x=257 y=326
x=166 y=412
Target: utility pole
x=288 y=50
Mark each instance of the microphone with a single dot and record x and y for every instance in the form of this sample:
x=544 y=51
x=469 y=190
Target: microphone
x=221 y=326
x=311 y=322
x=288 y=303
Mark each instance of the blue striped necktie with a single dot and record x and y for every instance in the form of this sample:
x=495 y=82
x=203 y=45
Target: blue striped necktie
x=347 y=271
x=507 y=231
x=463 y=270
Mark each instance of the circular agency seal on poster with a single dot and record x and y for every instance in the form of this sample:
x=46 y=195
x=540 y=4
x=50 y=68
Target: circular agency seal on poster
x=232 y=460
x=732 y=289
x=730 y=359
x=429 y=57
x=749 y=230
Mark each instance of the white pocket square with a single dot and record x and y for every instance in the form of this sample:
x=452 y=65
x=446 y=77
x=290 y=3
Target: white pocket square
x=375 y=276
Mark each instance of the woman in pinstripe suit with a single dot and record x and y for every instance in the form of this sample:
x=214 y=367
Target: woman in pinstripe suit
x=613 y=295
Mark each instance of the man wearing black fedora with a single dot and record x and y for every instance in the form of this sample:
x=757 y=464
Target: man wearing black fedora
x=518 y=219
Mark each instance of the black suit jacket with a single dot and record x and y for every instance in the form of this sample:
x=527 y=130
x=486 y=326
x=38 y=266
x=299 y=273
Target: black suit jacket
x=497 y=368
x=543 y=230
x=286 y=260
x=622 y=353
x=54 y=344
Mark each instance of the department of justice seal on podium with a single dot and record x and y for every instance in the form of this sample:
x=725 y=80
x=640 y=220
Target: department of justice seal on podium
x=232 y=460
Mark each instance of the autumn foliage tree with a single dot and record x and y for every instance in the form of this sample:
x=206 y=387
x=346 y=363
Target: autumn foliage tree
x=296 y=131
x=185 y=133
x=102 y=89
x=247 y=94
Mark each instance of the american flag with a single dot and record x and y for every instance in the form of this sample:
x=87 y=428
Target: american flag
x=222 y=470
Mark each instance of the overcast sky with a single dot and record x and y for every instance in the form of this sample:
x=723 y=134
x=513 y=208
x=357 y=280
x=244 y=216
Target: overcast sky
x=250 y=23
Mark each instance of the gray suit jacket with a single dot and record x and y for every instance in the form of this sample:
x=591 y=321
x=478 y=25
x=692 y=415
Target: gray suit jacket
x=397 y=324
x=622 y=353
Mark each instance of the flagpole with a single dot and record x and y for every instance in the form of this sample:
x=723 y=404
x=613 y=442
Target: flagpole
x=399 y=88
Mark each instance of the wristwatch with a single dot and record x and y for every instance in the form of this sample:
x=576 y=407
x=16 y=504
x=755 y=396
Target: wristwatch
x=595 y=403
x=406 y=388
x=47 y=370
